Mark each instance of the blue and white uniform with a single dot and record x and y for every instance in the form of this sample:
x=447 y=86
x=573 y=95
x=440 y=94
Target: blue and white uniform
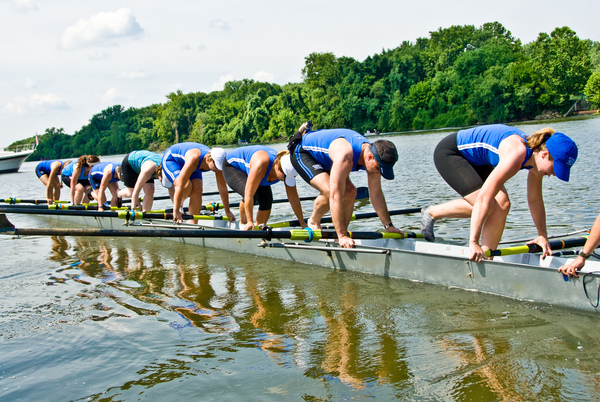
x=239 y=158
x=312 y=156
x=67 y=172
x=480 y=145
x=173 y=161
x=466 y=159
x=132 y=166
x=45 y=167
x=97 y=173
x=236 y=169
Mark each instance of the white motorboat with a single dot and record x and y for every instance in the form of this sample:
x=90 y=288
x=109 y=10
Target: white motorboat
x=12 y=158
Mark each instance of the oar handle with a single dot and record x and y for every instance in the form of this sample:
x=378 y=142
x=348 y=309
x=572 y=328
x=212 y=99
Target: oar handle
x=534 y=248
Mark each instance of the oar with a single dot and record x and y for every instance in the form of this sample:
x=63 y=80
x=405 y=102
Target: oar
x=534 y=248
x=25 y=201
x=7 y=228
x=126 y=214
x=363 y=215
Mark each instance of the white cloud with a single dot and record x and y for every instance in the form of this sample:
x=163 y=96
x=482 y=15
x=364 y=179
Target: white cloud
x=36 y=104
x=264 y=76
x=30 y=83
x=112 y=95
x=218 y=86
x=24 y=5
x=133 y=75
x=220 y=24
x=102 y=29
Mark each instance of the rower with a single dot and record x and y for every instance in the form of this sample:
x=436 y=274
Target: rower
x=138 y=171
x=80 y=169
x=102 y=176
x=325 y=158
x=251 y=171
x=182 y=167
x=49 y=173
x=478 y=161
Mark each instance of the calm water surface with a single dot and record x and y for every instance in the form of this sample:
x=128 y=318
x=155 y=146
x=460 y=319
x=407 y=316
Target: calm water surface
x=132 y=319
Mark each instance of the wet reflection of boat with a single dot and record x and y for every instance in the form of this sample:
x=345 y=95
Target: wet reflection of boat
x=436 y=263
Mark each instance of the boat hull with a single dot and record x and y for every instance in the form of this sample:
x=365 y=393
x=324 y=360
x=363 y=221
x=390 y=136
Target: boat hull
x=523 y=277
x=11 y=161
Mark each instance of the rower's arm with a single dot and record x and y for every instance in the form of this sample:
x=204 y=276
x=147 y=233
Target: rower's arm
x=294 y=199
x=340 y=152
x=224 y=193
x=106 y=177
x=52 y=176
x=258 y=169
x=588 y=248
x=147 y=169
x=535 y=200
x=378 y=202
x=74 y=181
x=192 y=159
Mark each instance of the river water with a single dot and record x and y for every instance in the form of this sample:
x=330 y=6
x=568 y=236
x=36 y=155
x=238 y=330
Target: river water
x=144 y=319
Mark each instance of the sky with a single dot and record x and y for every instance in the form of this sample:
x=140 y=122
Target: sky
x=63 y=61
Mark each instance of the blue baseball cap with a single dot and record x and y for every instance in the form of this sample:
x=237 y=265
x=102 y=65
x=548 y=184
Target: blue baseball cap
x=386 y=155
x=564 y=154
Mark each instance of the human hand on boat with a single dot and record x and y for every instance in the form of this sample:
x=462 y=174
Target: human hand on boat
x=572 y=268
x=248 y=226
x=542 y=241
x=230 y=215
x=393 y=229
x=177 y=216
x=346 y=242
x=477 y=252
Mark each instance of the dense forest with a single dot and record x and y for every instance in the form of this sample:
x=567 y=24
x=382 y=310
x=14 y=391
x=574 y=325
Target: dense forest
x=458 y=76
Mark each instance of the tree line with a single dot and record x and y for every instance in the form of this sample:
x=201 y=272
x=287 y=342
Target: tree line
x=458 y=76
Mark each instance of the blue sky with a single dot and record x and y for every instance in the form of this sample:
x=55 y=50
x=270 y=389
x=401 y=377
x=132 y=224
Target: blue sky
x=66 y=60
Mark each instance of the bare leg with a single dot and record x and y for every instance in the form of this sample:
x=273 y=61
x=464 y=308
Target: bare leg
x=194 y=191
x=243 y=219
x=321 y=183
x=495 y=222
x=148 y=197
x=262 y=216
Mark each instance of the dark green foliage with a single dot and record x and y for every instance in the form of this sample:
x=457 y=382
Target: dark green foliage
x=461 y=75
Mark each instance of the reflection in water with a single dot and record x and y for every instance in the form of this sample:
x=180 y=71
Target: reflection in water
x=348 y=329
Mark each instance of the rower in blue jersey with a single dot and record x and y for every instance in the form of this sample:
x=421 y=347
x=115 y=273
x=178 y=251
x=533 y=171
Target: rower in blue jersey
x=251 y=171
x=182 y=168
x=102 y=176
x=325 y=158
x=138 y=171
x=478 y=161
x=49 y=173
x=79 y=169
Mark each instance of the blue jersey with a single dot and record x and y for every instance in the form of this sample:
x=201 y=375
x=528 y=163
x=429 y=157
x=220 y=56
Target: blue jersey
x=480 y=144
x=317 y=143
x=174 y=159
x=45 y=167
x=68 y=171
x=239 y=158
x=97 y=172
x=137 y=158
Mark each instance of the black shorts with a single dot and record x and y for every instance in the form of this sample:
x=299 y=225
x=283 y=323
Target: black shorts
x=128 y=175
x=456 y=169
x=236 y=179
x=67 y=181
x=306 y=166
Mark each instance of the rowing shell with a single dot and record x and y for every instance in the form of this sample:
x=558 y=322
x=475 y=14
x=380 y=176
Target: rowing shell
x=522 y=276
